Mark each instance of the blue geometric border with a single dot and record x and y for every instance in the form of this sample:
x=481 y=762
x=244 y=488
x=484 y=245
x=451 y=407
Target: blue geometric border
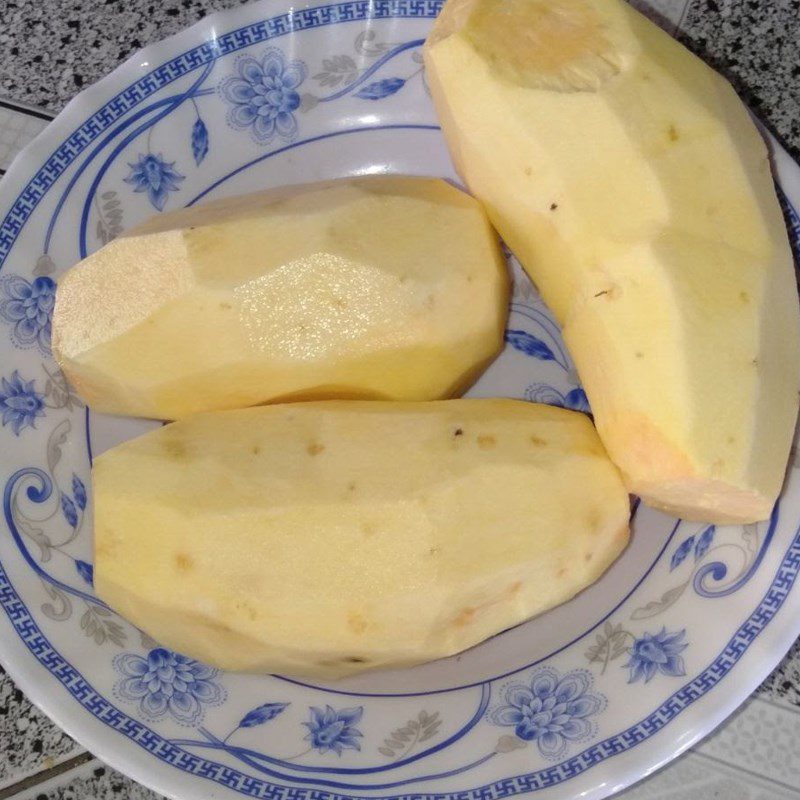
x=165 y=751
x=181 y=65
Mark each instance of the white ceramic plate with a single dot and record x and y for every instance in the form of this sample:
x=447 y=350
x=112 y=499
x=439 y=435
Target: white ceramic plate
x=579 y=702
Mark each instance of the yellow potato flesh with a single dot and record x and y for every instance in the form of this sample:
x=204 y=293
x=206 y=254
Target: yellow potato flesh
x=376 y=287
x=630 y=182
x=324 y=539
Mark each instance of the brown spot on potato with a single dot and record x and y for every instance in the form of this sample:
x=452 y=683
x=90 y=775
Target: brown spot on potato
x=588 y=557
x=611 y=293
x=175 y=448
x=351 y=487
x=356 y=622
x=553 y=206
x=744 y=297
x=537 y=441
x=403 y=278
x=458 y=432
x=245 y=608
x=464 y=617
x=315 y=448
x=528 y=171
x=219 y=627
x=255 y=450
x=514 y=588
x=433 y=551
x=561 y=572
x=183 y=562
x=731 y=440
x=639 y=354
x=486 y=441
x=672 y=133
x=225 y=306
x=336 y=662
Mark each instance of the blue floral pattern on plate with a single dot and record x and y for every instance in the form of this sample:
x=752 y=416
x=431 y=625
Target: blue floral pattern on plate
x=20 y=403
x=153 y=174
x=657 y=652
x=331 y=730
x=263 y=95
x=28 y=306
x=166 y=683
x=551 y=710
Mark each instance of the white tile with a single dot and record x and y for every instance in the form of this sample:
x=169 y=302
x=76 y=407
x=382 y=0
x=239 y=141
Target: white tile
x=89 y=781
x=697 y=777
x=666 y=13
x=763 y=738
x=16 y=130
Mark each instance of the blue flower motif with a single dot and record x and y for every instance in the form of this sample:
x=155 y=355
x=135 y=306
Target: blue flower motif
x=381 y=89
x=264 y=713
x=28 y=307
x=167 y=683
x=529 y=344
x=152 y=174
x=86 y=571
x=704 y=542
x=654 y=653
x=263 y=96
x=68 y=507
x=551 y=710
x=199 y=141
x=20 y=403
x=334 y=730
x=79 y=491
x=679 y=556
x=575 y=399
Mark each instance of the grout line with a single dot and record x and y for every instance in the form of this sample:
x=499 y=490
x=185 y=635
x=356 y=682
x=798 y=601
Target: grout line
x=29 y=110
x=790 y=707
x=45 y=775
x=679 y=25
x=735 y=767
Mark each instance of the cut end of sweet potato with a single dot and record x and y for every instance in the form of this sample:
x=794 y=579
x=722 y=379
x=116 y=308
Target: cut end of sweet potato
x=705 y=500
x=559 y=45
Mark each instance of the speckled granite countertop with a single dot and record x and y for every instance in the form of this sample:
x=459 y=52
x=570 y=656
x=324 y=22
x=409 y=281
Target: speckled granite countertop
x=50 y=50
